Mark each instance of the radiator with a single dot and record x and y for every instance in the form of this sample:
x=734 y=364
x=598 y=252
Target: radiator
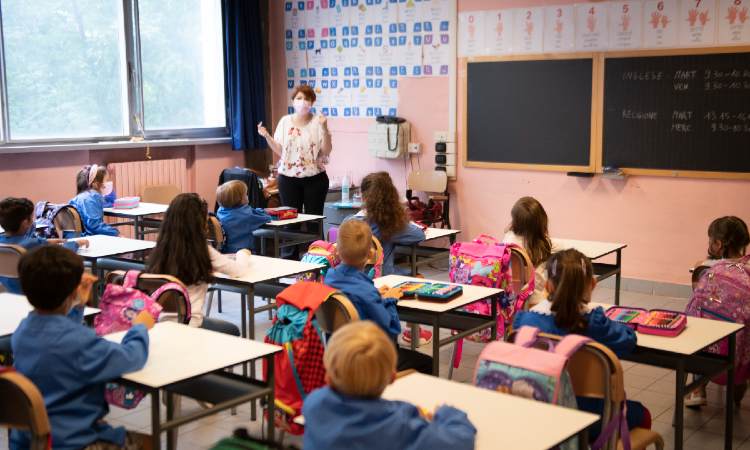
x=129 y=179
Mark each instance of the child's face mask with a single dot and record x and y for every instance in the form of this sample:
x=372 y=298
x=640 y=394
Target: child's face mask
x=107 y=188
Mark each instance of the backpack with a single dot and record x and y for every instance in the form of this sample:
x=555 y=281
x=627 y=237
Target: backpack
x=298 y=370
x=119 y=305
x=723 y=293
x=427 y=213
x=324 y=253
x=45 y=214
x=525 y=371
x=241 y=440
x=255 y=195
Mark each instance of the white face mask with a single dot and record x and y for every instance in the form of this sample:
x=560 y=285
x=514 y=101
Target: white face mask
x=107 y=188
x=301 y=107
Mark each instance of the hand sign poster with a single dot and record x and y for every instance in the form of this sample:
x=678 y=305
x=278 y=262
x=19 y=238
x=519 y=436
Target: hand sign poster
x=734 y=21
x=528 y=31
x=591 y=26
x=698 y=22
x=660 y=23
x=625 y=24
x=559 y=28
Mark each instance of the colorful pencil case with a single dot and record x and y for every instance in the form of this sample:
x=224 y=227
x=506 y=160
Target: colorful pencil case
x=430 y=291
x=663 y=322
x=660 y=322
x=631 y=317
x=282 y=212
x=127 y=202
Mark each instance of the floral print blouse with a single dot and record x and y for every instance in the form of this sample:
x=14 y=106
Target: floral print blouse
x=300 y=148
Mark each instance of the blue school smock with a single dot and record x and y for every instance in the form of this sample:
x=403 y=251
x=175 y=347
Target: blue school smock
x=239 y=224
x=335 y=421
x=28 y=241
x=90 y=205
x=619 y=338
x=410 y=235
x=70 y=365
x=359 y=288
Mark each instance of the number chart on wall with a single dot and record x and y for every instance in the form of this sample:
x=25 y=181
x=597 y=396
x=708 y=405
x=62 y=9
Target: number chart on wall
x=604 y=26
x=353 y=52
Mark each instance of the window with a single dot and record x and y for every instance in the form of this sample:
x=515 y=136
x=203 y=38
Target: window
x=84 y=71
x=65 y=68
x=183 y=69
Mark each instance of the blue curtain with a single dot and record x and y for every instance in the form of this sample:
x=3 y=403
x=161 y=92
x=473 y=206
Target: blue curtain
x=243 y=69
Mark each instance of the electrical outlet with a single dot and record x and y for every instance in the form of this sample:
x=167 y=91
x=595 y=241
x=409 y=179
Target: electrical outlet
x=441 y=136
x=415 y=148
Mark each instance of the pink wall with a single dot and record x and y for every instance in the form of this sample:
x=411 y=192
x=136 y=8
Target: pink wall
x=662 y=220
x=51 y=176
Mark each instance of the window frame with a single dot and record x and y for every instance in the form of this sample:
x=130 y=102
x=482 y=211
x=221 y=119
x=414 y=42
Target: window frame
x=134 y=80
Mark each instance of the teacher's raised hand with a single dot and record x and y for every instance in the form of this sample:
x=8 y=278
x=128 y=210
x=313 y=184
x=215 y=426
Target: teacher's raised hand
x=263 y=131
x=323 y=120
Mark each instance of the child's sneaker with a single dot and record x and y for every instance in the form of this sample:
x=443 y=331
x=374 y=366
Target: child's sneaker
x=425 y=337
x=696 y=399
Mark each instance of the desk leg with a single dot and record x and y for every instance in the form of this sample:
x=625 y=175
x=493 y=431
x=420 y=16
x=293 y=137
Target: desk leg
x=493 y=330
x=171 y=434
x=155 y=420
x=251 y=335
x=729 y=410
x=415 y=335
x=276 y=249
x=435 y=345
x=413 y=260
x=271 y=400
x=618 y=276
x=137 y=226
x=679 y=405
x=322 y=230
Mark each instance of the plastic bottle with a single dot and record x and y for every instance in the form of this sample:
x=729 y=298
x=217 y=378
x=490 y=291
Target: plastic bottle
x=345 y=188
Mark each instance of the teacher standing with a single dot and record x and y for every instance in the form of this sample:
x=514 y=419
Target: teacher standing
x=303 y=144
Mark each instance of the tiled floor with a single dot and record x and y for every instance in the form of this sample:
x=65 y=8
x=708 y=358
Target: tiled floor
x=652 y=386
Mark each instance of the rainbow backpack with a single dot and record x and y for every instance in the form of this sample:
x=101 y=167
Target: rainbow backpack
x=324 y=253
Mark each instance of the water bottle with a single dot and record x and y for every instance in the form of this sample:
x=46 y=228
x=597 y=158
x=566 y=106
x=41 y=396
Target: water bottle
x=345 y=188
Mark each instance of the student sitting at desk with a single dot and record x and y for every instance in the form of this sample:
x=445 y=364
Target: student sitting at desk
x=570 y=282
x=238 y=219
x=17 y=219
x=66 y=360
x=354 y=248
x=723 y=293
x=360 y=362
x=385 y=214
x=94 y=194
x=528 y=228
x=182 y=251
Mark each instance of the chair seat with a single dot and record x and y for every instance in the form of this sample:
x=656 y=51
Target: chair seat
x=641 y=438
x=216 y=387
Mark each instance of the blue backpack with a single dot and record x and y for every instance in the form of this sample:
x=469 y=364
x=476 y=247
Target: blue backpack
x=69 y=220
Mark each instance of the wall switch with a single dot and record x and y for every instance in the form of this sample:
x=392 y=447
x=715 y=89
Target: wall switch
x=441 y=136
x=415 y=148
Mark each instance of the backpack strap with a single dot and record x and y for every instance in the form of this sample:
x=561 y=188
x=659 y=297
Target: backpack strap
x=618 y=421
x=297 y=380
x=485 y=239
x=526 y=336
x=570 y=344
x=174 y=287
x=131 y=279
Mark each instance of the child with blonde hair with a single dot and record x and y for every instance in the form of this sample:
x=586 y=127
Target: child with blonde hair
x=237 y=217
x=360 y=363
x=355 y=249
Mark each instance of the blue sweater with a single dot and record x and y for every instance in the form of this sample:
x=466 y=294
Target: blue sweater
x=370 y=305
x=335 y=421
x=239 y=224
x=411 y=234
x=90 y=205
x=28 y=241
x=70 y=365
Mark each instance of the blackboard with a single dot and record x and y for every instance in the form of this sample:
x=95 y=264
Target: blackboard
x=529 y=112
x=683 y=112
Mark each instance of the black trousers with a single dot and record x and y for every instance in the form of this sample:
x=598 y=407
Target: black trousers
x=308 y=195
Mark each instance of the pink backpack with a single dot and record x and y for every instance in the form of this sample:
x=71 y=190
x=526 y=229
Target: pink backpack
x=723 y=293
x=486 y=262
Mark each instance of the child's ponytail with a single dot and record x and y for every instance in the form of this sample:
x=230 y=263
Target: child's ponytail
x=570 y=272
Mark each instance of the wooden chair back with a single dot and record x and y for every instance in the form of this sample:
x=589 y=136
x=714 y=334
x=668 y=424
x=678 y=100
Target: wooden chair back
x=23 y=408
x=427 y=181
x=161 y=193
x=68 y=220
x=521 y=269
x=9 y=256
x=335 y=312
x=215 y=232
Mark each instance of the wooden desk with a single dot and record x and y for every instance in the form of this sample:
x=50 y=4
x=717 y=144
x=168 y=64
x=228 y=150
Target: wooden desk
x=179 y=353
x=14 y=308
x=501 y=420
x=275 y=230
x=262 y=269
x=595 y=250
x=683 y=354
x=136 y=215
x=445 y=314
